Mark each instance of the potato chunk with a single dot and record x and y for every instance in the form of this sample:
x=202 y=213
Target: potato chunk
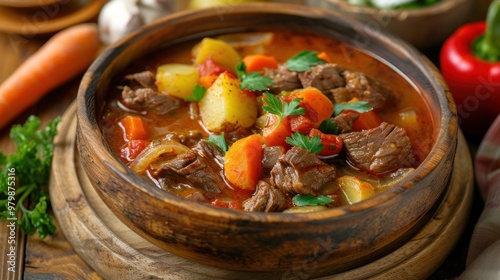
x=354 y=190
x=177 y=79
x=225 y=107
x=220 y=52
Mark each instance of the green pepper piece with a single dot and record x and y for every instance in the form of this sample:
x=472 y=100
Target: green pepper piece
x=487 y=47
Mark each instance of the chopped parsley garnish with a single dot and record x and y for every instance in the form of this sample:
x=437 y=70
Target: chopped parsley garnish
x=25 y=174
x=218 y=141
x=328 y=126
x=252 y=80
x=303 y=61
x=311 y=200
x=312 y=145
x=196 y=94
x=282 y=109
x=359 y=106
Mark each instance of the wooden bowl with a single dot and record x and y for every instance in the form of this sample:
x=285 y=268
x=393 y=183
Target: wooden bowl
x=423 y=27
x=332 y=240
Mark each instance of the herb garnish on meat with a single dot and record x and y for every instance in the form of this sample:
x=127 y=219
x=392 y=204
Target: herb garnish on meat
x=252 y=80
x=313 y=145
x=282 y=109
x=303 y=61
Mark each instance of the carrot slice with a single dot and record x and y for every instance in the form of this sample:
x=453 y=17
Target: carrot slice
x=257 y=62
x=135 y=128
x=207 y=81
x=325 y=57
x=243 y=162
x=65 y=55
x=366 y=120
x=318 y=102
x=276 y=132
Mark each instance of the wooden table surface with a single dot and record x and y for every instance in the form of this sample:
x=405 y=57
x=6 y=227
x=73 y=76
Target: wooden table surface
x=53 y=257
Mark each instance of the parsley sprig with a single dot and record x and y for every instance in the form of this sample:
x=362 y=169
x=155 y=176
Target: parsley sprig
x=252 y=80
x=218 y=141
x=282 y=109
x=359 y=106
x=312 y=145
x=328 y=126
x=303 y=61
x=31 y=165
x=311 y=200
x=196 y=94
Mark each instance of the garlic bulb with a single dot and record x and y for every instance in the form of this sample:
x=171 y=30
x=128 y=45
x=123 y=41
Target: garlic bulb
x=120 y=17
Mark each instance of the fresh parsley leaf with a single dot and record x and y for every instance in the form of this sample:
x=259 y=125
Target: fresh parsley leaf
x=282 y=109
x=303 y=61
x=311 y=200
x=196 y=94
x=313 y=145
x=241 y=69
x=328 y=126
x=252 y=80
x=30 y=166
x=218 y=141
x=359 y=106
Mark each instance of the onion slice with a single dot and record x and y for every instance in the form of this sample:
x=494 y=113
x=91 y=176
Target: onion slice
x=154 y=151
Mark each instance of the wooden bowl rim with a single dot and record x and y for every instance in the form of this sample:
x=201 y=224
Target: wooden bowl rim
x=440 y=7
x=87 y=118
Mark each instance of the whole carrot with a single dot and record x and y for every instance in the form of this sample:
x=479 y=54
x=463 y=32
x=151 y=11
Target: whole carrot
x=62 y=57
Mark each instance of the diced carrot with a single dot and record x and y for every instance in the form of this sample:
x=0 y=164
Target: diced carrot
x=366 y=120
x=333 y=143
x=135 y=128
x=325 y=57
x=243 y=162
x=257 y=62
x=207 y=81
x=276 y=132
x=61 y=58
x=318 y=101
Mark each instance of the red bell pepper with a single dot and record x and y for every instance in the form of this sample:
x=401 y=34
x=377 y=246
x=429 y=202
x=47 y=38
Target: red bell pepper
x=470 y=64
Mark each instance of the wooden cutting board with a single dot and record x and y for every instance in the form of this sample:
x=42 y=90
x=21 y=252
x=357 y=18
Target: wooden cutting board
x=116 y=252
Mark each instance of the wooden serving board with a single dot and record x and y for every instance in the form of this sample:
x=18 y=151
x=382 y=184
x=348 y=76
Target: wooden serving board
x=116 y=252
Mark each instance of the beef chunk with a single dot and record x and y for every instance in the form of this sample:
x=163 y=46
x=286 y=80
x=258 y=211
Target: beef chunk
x=324 y=77
x=300 y=172
x=144 y=79
x=147 y=99
x=340 y=95
x=186 y=137
x=379 y=150
x=365 y=88
x=284 y=79
x=200 y=168
x=345 y=120
x=271 y=156
x=265 y=199
x=209 y=151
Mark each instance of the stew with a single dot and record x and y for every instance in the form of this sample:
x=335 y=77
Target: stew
x=273 y=121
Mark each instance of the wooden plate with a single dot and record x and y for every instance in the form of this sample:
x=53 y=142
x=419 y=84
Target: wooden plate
x=116 y=252
x=46 y=19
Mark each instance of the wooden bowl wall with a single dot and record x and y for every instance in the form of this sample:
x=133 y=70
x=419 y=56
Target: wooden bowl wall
x=333 y=240
x=423 y=28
